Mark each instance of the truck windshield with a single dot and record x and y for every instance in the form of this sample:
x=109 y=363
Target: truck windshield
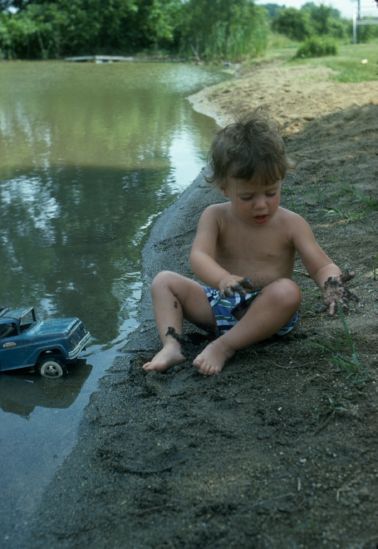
x=27 y=319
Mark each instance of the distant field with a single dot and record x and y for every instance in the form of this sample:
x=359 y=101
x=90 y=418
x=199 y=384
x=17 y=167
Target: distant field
x=354 y=62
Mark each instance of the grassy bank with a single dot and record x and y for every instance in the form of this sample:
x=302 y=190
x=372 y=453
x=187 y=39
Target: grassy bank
x=353 y=63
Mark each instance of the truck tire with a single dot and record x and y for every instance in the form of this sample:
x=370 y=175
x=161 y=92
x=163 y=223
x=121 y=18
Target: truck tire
x=51 y=367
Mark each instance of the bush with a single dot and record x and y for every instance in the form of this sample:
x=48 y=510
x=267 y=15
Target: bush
x=317 y=47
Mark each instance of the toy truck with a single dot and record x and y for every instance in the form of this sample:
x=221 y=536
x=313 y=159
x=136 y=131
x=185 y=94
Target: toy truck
x=47 y=346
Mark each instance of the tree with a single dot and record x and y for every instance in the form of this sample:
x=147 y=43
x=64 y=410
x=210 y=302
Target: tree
x=68 y=27
x=15 y=5
x=149 y=24
x=326 y=20
x=223 y=29
x=273 y=9
x=309 y=21
x=161 y=20
x=292 y=23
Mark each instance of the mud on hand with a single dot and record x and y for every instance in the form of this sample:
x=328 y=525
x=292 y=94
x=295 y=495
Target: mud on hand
x=335 y=293
x=242 y=287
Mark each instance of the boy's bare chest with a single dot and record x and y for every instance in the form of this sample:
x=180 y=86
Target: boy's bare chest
x=260 y=245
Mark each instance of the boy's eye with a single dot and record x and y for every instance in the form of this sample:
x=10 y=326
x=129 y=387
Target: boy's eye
x=272 y=193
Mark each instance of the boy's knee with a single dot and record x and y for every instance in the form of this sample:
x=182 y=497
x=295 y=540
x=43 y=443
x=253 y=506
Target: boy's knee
x=165 y=279
x=287 y=293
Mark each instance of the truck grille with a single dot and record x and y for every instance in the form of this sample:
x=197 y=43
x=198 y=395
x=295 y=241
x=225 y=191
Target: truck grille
x=77 y=335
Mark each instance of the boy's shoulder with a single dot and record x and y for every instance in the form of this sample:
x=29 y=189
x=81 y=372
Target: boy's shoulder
x=218 y=206
x=289 y=216
x=291 y=223
x=217 y=210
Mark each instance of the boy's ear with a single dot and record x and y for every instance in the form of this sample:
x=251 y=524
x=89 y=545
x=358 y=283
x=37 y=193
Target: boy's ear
x=223 y=188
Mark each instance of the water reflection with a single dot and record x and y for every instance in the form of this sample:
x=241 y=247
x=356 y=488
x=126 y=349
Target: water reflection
x=94 y=115
x=21 y=393
x=71 y=240
x=89 y=156
x=92 y=154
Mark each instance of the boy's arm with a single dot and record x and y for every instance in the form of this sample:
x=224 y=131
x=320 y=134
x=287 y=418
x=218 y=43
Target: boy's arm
x=203 y=253
x=327 y=275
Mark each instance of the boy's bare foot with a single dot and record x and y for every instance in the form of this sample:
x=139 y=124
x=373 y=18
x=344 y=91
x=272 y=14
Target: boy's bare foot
x=168 y=356
x=213 y=358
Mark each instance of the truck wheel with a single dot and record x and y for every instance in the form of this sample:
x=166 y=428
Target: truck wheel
x=51 y=367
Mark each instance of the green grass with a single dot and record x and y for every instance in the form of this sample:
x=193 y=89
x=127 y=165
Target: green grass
x=343 y=352
x=345 y=215
x=350 y=64
x=352 y=204
x=280 y=47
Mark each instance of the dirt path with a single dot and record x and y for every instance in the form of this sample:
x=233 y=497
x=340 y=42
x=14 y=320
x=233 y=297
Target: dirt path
x=281 y=449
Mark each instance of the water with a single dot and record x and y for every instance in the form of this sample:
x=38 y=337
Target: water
x=89 y=156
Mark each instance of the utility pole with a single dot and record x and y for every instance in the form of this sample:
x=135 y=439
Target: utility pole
x=364 y=16
x=356 y=18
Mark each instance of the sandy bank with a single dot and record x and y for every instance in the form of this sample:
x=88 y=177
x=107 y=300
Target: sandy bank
x=293 y=95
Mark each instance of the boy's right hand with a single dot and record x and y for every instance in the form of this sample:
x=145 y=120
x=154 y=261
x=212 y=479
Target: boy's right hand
x=233 y=283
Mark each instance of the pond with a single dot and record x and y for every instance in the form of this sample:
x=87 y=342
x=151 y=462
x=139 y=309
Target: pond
x=90 y=154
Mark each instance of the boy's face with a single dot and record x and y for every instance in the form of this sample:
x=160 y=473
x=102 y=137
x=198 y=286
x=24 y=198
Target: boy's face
x=252 y=201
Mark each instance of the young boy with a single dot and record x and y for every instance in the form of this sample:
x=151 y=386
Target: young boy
x=244 y=252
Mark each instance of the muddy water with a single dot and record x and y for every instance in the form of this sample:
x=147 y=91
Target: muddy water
x=89 y=156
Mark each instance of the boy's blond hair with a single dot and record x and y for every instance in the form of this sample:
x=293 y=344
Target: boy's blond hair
x=250 y=148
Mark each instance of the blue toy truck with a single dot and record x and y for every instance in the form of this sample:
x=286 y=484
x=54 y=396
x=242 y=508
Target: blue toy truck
x=47 y=346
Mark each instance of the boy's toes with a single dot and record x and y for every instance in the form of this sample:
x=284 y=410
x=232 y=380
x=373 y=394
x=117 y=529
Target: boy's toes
x=204 y=367
x=197 y=362
x=211 y=370
x=200 y=364
x=206 y=370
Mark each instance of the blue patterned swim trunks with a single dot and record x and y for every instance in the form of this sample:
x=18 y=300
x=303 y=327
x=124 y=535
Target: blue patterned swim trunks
x=224 y=308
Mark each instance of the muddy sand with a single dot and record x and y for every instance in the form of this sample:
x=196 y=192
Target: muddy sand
x=281 y=449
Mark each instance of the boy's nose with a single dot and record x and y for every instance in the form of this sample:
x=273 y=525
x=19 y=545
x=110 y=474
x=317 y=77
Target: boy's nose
x=259 y=203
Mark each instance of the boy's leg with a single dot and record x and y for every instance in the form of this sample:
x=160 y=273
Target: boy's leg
x=176 y=297
x=271 y=310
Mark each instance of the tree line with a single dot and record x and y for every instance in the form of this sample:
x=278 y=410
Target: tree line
x=199 y=29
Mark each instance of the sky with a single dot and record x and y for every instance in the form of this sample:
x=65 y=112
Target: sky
x=347 y=8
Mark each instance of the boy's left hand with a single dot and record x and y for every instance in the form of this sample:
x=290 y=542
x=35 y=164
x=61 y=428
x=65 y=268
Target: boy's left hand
x=335 y=293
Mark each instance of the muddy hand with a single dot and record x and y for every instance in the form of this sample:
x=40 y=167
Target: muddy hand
x=336 y=293
x=247 y=285
x=242 y=287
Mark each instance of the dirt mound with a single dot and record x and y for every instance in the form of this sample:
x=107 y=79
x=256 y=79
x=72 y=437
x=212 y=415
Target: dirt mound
x=293 y=95
x=280 y=450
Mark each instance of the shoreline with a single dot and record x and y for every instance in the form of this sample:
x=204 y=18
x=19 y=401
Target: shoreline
x=175 y=224
x=102 y=426
x=201 y=103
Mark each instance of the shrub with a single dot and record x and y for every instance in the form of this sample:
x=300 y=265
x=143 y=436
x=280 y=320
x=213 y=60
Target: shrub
x=317 y=47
